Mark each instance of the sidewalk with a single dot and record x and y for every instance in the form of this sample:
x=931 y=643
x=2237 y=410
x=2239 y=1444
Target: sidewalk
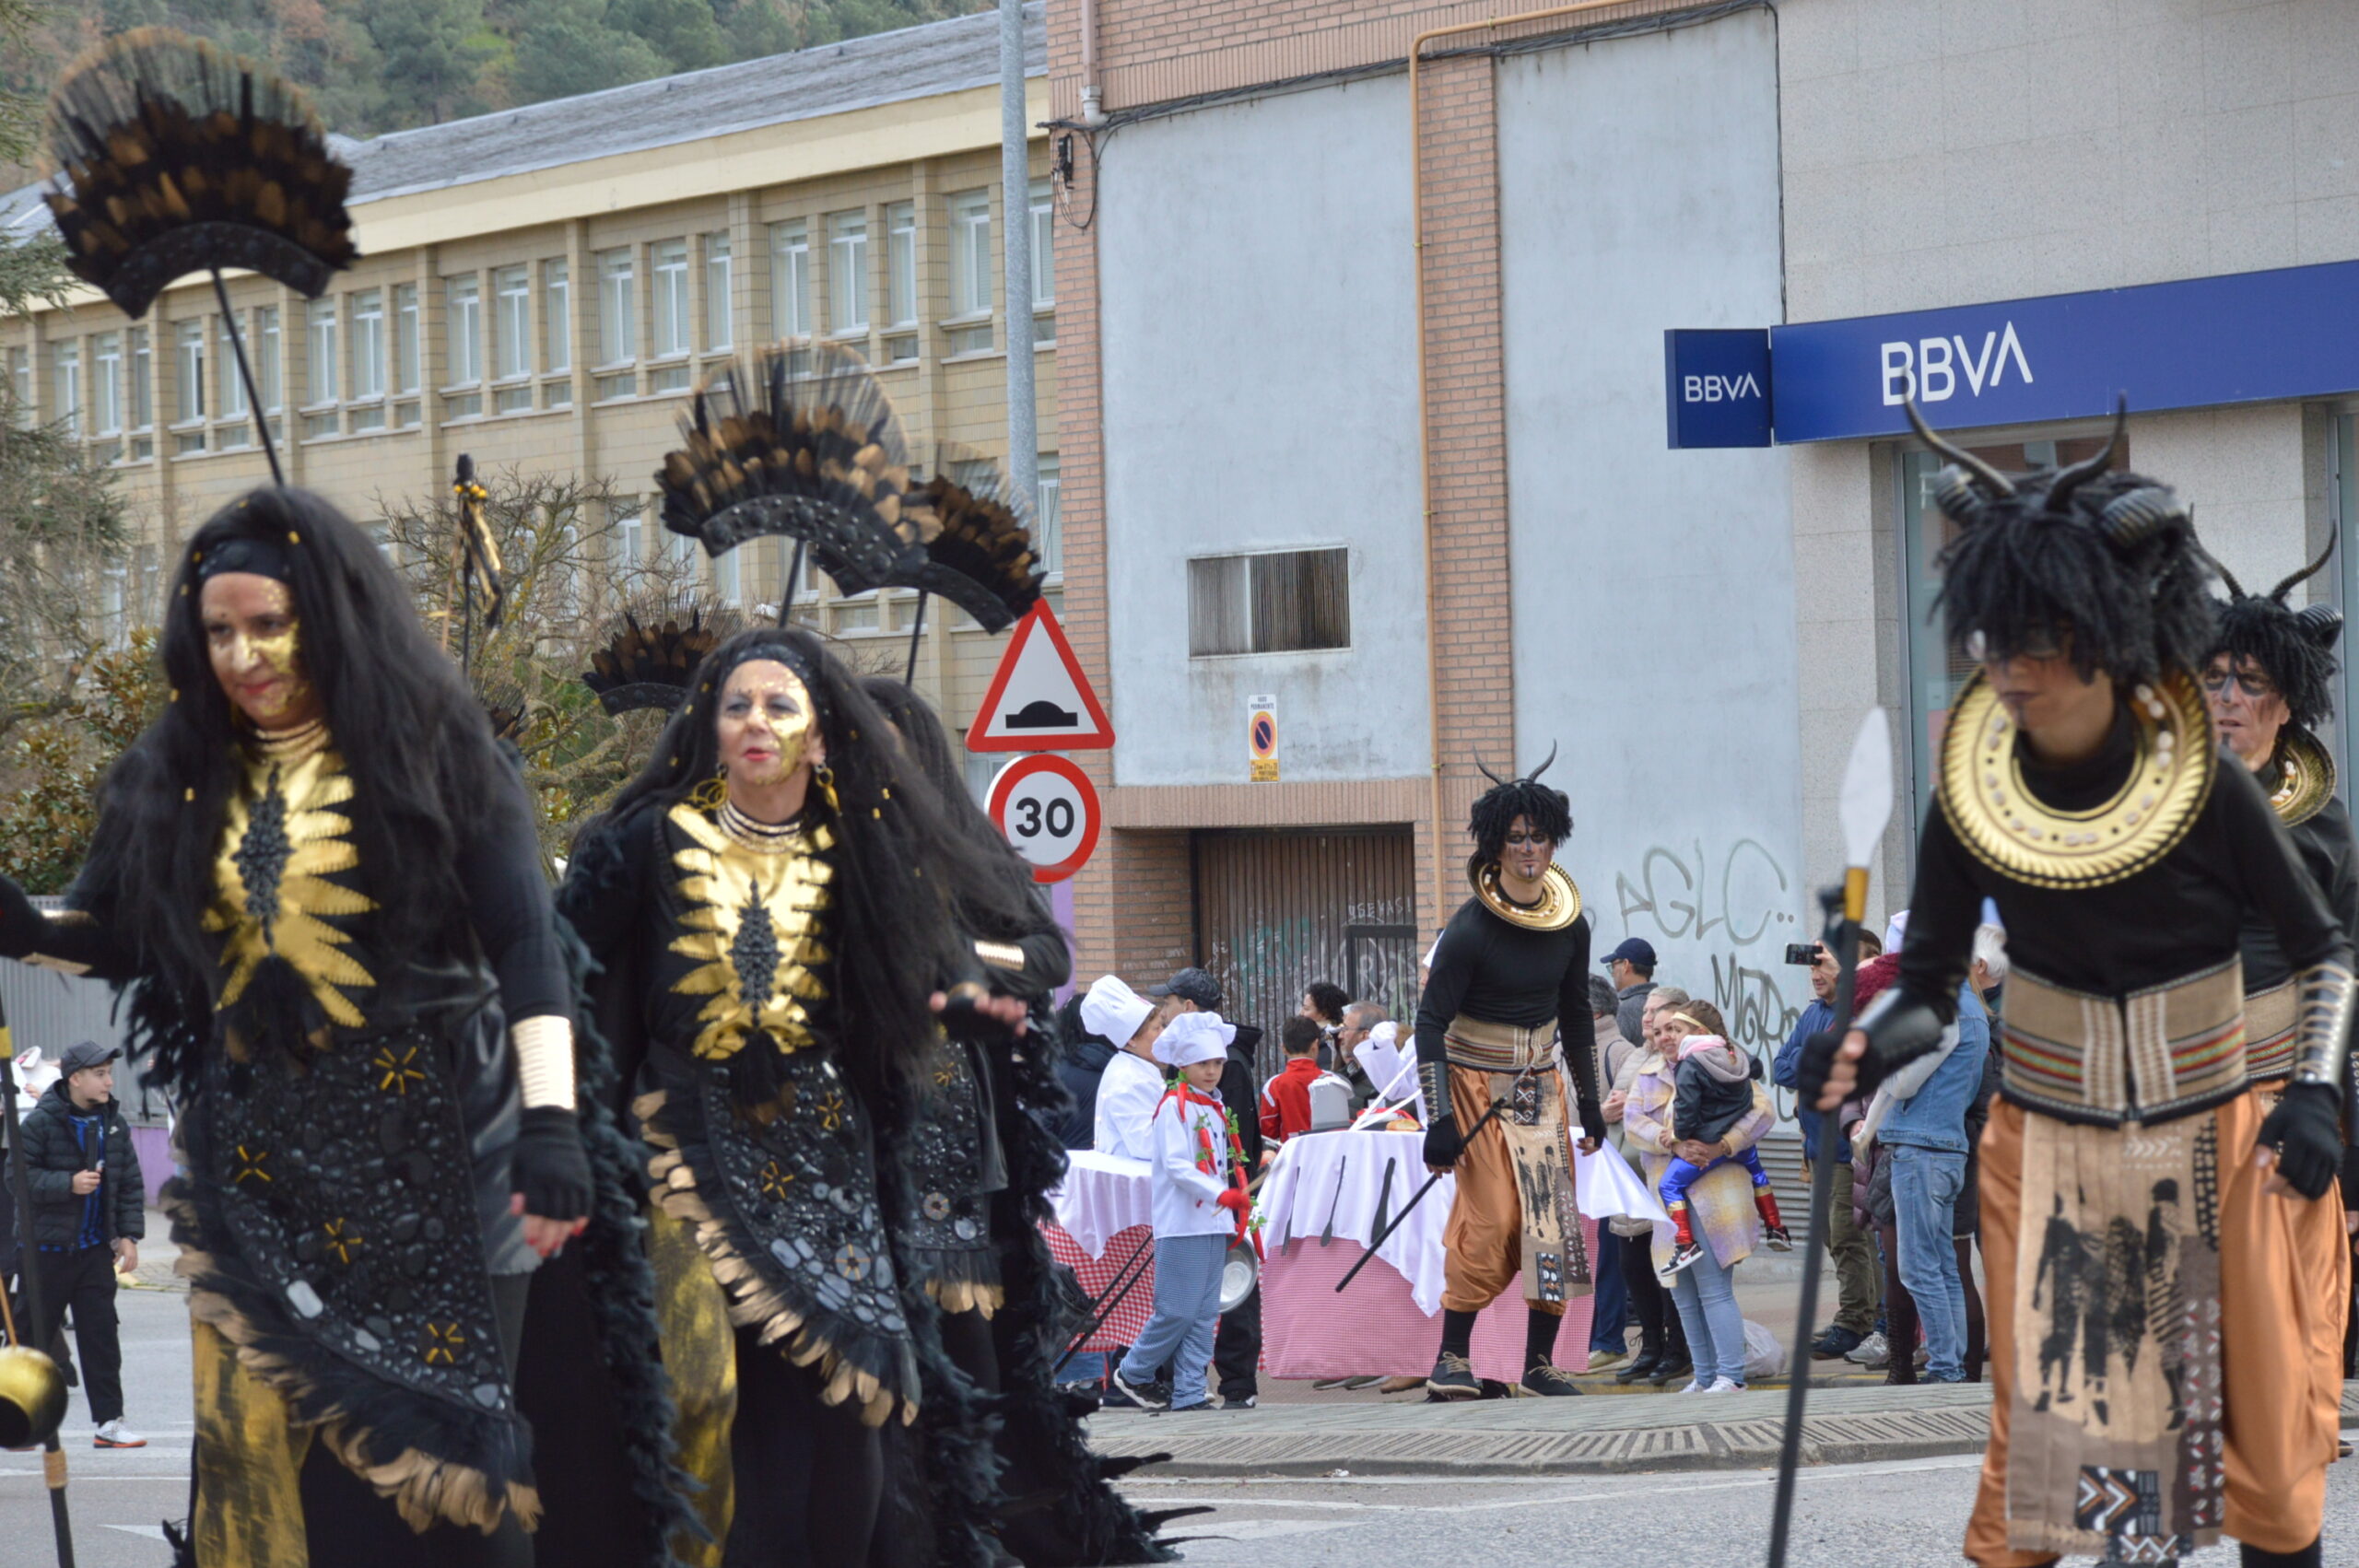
x=1580 y=1436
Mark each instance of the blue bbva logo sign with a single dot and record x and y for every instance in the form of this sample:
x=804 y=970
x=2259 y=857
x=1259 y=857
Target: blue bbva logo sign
x=1717 y=387
x=1932 y=369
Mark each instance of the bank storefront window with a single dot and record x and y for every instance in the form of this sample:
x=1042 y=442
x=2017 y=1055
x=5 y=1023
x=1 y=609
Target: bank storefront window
x=1934 y=671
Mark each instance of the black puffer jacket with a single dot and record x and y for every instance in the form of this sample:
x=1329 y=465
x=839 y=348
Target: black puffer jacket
x=1079 y=1066
x=51 y=1156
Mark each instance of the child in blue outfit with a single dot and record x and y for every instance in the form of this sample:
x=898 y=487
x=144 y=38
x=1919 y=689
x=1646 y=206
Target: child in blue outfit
x=1199 y=1204
x=1712 y=1091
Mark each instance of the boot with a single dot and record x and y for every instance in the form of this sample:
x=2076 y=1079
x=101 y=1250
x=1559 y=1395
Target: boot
x=1765 y=1203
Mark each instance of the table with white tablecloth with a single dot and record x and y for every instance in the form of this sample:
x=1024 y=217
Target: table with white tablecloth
x=1104 y=1233
x=1325 y=1198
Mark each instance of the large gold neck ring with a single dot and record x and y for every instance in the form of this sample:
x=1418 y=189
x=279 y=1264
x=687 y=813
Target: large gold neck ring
x=1559 y=904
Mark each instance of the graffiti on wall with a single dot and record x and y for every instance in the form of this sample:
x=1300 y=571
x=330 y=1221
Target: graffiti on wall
x=1731 y=911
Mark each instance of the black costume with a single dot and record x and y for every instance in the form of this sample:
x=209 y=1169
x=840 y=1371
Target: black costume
x=2125 y=1133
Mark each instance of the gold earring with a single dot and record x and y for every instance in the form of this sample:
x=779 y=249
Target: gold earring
x=708 y=795
x=826 y=779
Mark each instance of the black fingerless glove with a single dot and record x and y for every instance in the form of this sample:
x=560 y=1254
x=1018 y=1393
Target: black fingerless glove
x=20 y=924
x=2304 y=1130
x=1443 y=1144
x=548 y=1166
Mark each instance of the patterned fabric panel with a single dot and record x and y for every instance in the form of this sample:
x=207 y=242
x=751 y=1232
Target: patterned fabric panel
x=2156 y=1054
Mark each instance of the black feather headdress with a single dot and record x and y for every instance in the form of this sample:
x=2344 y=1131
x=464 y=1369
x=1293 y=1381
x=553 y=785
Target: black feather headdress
x=2295 y=648
x=175 y=156
x=2099 y=566
x=978 y=535
x=820 y=459
x=654 y=648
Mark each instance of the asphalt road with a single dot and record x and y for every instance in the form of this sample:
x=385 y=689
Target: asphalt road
x=1910 y=1515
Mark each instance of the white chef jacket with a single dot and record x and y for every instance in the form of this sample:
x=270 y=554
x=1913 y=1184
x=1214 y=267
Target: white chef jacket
x=1186 y=1198
x=1127 y=1090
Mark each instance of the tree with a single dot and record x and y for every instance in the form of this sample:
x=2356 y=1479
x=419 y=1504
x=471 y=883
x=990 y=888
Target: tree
x=567 y=48
x=46 y=819
x=62 y=532
x=431 y=57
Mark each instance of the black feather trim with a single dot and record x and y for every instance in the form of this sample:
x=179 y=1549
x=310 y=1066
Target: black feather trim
x=654 y=648
x=977 y=537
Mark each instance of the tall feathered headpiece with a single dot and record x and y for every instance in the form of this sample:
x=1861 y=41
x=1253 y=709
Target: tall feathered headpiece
x=2101 y=566
x=2294 y=647
x=1548 y=810
x=978 y=535
x=175 y=156
x=820 y=459
x=654 y=648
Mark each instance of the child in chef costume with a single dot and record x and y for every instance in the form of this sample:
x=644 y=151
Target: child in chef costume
x=1199 y=1201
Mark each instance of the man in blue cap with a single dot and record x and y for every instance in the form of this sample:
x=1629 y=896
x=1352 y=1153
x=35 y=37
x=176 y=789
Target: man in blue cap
x=1631 y=967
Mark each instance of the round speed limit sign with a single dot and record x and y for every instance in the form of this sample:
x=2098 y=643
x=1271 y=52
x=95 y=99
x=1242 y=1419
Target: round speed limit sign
x=1048 y=809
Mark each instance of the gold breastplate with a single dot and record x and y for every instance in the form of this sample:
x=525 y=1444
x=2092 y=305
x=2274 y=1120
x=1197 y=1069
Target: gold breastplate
x=753 y=916
x=2008 y=829
x=2306 y=777
x=285 y=835
x=1559 y=905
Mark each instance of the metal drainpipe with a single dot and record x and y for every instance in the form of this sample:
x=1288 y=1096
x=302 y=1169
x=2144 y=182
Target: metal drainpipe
x=1424 y=426
x=1093 y=111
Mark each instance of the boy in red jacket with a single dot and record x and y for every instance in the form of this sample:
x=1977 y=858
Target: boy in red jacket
x=1285 y=1099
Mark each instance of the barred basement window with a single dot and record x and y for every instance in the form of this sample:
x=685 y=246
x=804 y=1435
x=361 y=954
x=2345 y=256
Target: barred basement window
x=1278 y=602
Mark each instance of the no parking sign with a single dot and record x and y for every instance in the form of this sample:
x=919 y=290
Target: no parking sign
x=1048 y=809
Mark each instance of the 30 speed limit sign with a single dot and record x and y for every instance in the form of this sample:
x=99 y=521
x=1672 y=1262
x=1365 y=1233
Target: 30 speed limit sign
x=1048 y=809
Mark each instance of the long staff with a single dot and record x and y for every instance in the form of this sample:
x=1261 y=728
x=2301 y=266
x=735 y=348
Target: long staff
x=1866 y=807
x=1498 y=1104
x=52 y=1460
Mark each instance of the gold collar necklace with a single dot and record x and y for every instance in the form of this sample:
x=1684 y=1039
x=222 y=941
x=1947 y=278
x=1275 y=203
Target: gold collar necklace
x=1559 y=903
x=290 y=744
x=2011 y=830
x=761 y=837
x=2305 y=777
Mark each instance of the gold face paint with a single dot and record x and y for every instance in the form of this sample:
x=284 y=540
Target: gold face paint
x=766 y=711
x=262 y=674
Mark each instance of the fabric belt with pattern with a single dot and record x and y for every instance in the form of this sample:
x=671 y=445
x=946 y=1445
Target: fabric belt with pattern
x=2272 y=1019
x=1486 y=1047
x=2167 y=1051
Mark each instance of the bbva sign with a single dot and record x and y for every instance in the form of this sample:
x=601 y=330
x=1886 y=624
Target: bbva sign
x=1930 y=368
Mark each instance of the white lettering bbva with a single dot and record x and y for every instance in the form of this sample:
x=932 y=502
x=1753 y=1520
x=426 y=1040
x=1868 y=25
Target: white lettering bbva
x=1721 y=388
x=1929 y=370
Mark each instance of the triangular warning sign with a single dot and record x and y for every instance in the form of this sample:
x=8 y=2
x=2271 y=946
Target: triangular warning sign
x=1039 y=700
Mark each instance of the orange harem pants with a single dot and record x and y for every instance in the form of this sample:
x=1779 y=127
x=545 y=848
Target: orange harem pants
x=1485 y=1240
x=2284 y=1273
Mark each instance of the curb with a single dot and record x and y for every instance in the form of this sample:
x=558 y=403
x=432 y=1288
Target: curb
x=1725 y=1456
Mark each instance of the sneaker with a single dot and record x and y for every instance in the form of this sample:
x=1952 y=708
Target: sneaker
x=1453 y=1378
x=1725 y=1385
x=113 y=1435
x=1241 y=1403
x=1545 y=1381
x=1694 y=1385
x=1871 y=1353
x=1681 y=1257
x=1599 y=1361
x=1779 y=1239
x=1400 y=1384
x=1834 y=1343
x=1643 y=1367
x=1197 y=1409
x=1670 y=1371
x=1126 y=1395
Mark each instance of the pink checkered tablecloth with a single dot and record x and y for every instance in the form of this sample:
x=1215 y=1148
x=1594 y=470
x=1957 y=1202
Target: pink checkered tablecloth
x=1308 y=1330
x=1097 y=1275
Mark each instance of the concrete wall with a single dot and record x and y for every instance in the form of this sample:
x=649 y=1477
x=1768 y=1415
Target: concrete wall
x=1654 y=590
x=1257 y=355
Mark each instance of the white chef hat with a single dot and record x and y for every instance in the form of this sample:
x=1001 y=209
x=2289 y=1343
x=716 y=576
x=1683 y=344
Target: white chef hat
x=1192 y=1038
x=1113 y=1011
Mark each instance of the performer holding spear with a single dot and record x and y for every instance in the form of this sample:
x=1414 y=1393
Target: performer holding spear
x=2079 y=788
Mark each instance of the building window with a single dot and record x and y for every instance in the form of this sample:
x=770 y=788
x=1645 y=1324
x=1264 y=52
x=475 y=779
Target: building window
x=20 y=384
x=720 y=293
x=69 y=386
x=970 y=253
x=617 y=320
x=725 y=577
x=631 y=534
x=369 y=344
x=1048 y=517
x=848 y=272
x=791 y=280
x=1279 y=602
x=1935 y=670
x=106 y=384
x=557 y=317
x=901 y=264
x=409 y=368
x=188 y=371
x=511 y=324
x=670 y=261
x=142 y=393
x=462 y=299
x=1044 y=246
x=320 y=385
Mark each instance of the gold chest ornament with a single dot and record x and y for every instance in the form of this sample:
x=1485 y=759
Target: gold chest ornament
x=2008 y=829
x=1559 y=904
x=2306 y=777
x=754 y=906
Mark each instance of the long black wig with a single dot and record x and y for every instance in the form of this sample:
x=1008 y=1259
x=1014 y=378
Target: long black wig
x=1547 y=810
x=902 y=869
x=2293 y=648
x=414 y=740
x=2096 y=565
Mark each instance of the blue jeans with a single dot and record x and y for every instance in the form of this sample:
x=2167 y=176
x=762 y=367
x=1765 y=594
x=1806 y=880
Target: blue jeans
x=1083 y=1366
x=1925 y=1188
x=1609 y=1308
x=1705 y=1296
x=1187 y=1316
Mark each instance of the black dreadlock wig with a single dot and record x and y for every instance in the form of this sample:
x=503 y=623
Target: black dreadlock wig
x=2293 y=648
x=416 y=744
x=901 y=864
x=1548 y=810
x=2098 y=565
x=1007 y=904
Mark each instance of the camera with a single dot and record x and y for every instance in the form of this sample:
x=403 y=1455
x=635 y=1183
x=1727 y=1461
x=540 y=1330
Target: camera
x=1804 y=953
